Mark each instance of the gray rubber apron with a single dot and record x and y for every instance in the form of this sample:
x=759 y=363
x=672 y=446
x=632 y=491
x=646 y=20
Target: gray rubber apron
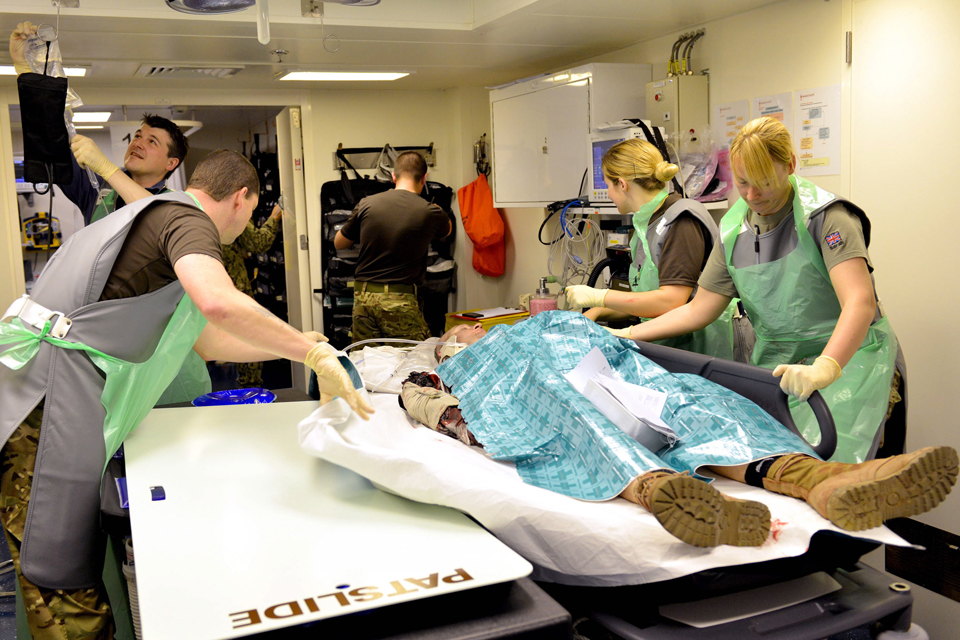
x=716 y=339
x=794 y=310
x=124 y=352
x=193 y=380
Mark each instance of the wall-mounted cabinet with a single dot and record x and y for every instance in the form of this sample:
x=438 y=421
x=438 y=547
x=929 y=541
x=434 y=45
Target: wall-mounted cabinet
x=541 y=128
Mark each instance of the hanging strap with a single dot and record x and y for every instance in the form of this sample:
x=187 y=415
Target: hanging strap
x=345 y=179
x=343 y=158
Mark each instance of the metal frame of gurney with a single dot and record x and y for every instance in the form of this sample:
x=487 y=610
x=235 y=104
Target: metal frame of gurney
x=866 y=595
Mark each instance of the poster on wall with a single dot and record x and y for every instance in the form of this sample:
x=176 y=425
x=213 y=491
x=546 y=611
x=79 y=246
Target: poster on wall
x=779 y=107
x=816 y=131
x=727 y=121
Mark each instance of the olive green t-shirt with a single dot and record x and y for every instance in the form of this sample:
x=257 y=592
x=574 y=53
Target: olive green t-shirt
x=161 y=234
x=836 y=219
x=685 y=249
x=394 y=229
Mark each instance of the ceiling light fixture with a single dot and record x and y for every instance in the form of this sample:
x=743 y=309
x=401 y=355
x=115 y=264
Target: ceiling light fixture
x=88 y=126
x=91 y=116
x=73 y=72
x=209 y=6
x=342 y=76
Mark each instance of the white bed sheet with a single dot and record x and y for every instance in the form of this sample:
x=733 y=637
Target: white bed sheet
x=568 y=541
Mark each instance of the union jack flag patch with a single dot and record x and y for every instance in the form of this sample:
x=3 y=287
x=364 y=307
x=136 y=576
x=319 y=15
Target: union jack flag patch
x=834 y=240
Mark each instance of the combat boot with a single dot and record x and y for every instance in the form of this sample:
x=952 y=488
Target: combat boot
x=698 y=514
x=862 y=496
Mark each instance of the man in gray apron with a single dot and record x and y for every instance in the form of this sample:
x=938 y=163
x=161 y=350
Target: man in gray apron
x=85 y=357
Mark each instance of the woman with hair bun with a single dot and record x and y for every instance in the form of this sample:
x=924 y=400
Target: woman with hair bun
x=671 y=241
x=796 y=255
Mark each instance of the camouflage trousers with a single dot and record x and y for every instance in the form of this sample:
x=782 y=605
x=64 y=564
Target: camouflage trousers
x=52 y=614
x=249 y=374
x=387 y=315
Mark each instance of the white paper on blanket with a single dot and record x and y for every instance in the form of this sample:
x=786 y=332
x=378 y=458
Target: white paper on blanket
x=646 y=434
x=592 y=365
x=569 y=541
x=633 y=408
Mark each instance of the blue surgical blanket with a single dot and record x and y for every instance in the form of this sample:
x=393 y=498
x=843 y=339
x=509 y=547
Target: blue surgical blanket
x=520 y=407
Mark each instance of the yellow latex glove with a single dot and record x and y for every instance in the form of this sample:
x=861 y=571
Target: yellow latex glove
x=620 y=333
x=580 y=296
x=316 y=336
x=801 y=380
x=17 y=41
x=333 y=379
x=88 y=154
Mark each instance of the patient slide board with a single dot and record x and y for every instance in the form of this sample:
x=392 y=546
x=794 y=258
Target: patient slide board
x=238 y=531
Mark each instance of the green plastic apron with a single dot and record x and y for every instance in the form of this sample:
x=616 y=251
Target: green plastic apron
x=794 y=310
x=106 y=206
x=717 y=338
x=131 y=389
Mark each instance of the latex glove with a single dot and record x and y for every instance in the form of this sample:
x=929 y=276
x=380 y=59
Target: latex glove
x=18 y=40
x=88 y=154
x=580 y=296
x=801 y=380
x=333 y=379
x=316 y=336
x=620 y=333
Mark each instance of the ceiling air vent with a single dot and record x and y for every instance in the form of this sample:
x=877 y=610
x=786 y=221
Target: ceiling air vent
x=160 y=71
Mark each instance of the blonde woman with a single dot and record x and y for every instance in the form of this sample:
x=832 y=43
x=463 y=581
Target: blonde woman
x=671 y=241
x=797 y=257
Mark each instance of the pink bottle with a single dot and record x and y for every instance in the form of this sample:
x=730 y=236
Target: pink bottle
x=542 y=300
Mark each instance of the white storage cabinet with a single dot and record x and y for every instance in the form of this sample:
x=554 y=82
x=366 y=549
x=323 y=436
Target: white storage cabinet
x=541 y=128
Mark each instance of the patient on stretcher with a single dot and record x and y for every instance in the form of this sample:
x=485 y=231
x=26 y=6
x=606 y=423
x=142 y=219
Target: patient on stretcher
x=506 y=393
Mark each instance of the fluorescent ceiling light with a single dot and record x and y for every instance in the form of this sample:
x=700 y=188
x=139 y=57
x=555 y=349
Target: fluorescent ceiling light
x=342 y=75
x=73 y=72
x=89 y=126
x=91 y=116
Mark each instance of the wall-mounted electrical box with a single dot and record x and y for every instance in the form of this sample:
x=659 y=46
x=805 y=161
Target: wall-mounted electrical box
x=541 y=128
x=680 y=104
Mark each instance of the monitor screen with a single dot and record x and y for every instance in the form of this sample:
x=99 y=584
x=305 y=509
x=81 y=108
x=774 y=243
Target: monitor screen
x=600 y=147
x=18 y=170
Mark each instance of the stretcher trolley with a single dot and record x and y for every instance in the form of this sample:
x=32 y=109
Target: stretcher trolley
x=842 y=593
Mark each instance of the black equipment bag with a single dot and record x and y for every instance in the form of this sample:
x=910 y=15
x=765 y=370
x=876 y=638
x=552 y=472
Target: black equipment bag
x=441 y=195
x=46 y=145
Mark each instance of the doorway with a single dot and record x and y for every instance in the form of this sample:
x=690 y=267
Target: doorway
x=249 y=130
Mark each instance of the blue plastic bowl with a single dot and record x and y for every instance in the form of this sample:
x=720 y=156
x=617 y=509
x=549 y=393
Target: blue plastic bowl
x=254 y=395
